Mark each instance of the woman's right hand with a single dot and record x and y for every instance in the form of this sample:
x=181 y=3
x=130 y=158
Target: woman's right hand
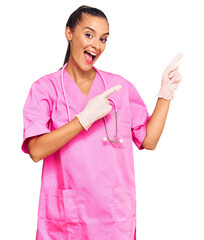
x=96 y=108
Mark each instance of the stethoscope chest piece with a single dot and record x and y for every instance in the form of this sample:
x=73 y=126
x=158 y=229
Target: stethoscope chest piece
x=105 y=139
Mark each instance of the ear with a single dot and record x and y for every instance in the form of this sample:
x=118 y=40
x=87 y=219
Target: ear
x=68 y=33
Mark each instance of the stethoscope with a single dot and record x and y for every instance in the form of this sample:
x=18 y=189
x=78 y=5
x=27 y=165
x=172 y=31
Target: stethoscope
x=115 y=106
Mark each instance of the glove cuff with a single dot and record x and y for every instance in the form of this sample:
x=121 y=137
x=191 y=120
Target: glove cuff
x=165 y=93
x=85 y=122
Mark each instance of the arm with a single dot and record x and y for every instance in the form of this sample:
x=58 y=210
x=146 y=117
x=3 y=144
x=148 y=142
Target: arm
x=170 y=80
x=44 y=145
x=156 y=124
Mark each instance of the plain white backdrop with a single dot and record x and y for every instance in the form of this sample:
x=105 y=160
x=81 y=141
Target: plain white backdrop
x=144 y=38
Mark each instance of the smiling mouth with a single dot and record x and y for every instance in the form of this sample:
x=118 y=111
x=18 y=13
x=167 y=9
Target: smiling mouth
x=89 y=57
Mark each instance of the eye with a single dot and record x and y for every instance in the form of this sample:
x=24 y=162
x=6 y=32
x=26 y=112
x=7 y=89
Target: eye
x=88 y=35
x=104 y=40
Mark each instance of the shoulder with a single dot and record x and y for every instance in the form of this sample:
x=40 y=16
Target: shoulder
x=47 y=79
x=115 y=77
x=47 y=83
x=118 y=79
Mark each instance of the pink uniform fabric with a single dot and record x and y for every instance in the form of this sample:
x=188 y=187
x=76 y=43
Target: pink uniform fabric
x=88 y=186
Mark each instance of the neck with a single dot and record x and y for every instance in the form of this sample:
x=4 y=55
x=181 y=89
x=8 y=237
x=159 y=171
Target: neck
x=77 y=74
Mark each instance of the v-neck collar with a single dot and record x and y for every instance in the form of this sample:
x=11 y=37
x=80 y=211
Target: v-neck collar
x=76 y=98
x=67 y=76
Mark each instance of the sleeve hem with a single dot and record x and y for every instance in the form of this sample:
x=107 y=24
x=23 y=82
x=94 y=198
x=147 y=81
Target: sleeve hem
x=139 y=140
x=24 y=146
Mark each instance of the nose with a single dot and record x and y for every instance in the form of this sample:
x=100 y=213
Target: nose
x=96 y=44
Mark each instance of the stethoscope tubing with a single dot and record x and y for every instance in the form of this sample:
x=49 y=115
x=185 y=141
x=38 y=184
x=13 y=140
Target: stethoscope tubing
x=115 y=106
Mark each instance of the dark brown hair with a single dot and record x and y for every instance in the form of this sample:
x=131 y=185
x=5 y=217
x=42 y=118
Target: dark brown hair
x=75 y=18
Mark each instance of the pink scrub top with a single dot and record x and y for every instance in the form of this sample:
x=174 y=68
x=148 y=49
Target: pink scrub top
x=87 y=186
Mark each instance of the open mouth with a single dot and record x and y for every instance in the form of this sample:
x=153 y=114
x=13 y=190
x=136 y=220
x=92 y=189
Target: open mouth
x=89 y=56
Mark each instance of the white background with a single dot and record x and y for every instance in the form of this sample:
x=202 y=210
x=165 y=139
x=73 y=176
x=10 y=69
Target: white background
x=144 y=38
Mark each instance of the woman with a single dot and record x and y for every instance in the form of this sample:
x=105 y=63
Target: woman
x=88 y=181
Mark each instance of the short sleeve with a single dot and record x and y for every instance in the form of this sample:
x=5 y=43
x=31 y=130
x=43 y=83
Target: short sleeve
x=36 y=112
x=139 y=117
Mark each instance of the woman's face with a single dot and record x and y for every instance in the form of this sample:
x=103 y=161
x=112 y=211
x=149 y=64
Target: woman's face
x=87 y=41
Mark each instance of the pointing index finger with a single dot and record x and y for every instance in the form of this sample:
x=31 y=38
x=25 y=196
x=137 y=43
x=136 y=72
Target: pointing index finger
x=175 y=60
x=111 y=90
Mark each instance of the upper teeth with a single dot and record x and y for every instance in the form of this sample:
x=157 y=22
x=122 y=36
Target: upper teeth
x=94 y=54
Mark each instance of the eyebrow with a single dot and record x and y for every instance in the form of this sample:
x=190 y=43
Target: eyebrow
x=95 y=31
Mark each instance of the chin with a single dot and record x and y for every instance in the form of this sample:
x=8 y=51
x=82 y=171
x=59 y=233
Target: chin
x=85 y=67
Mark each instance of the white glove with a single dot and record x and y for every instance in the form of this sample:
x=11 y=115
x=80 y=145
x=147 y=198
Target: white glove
x=96 y=108
x=170 y=79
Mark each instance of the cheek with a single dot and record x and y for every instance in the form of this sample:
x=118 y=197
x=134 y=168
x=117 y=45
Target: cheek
x=103 y=48
x=79 y=42
x=85 y=42
x=76 y=48
x=82 y=41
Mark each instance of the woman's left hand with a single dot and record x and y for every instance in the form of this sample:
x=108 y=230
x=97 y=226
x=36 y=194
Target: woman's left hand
x=170 y=79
